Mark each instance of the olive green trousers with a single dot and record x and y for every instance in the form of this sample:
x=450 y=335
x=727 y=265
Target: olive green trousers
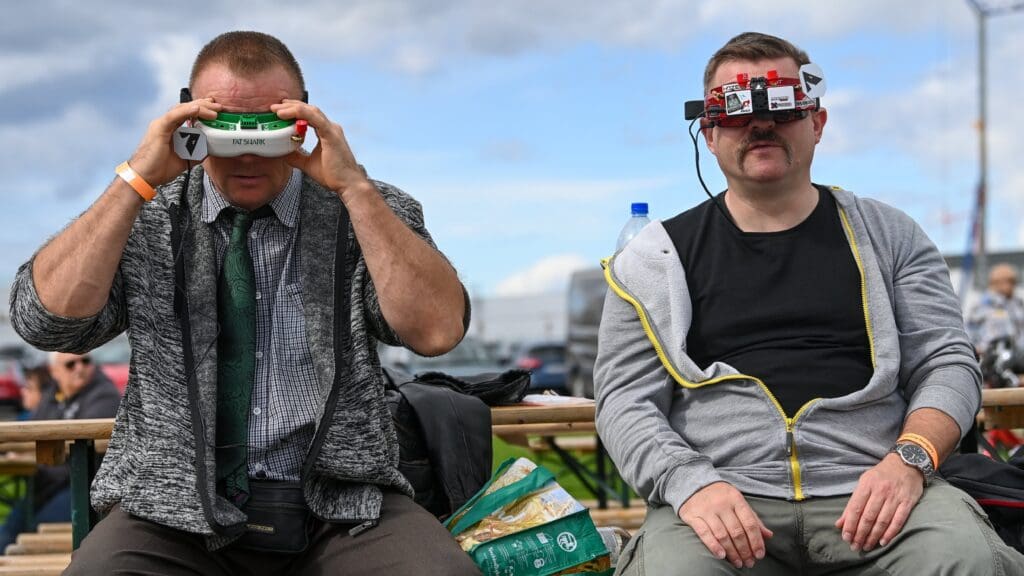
x=947 y=534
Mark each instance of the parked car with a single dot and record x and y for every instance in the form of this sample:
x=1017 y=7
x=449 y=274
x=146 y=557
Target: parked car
x=470 y=357
x=546 y=363
x=114 y=359
x=587 y=289
x=11 y=380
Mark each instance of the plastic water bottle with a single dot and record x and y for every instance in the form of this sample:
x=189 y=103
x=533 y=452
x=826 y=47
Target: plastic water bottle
x=634 y=225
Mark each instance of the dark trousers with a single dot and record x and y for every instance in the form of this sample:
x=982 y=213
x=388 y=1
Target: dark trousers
x=408 y=541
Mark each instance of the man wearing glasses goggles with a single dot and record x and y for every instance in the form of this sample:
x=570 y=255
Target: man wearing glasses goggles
x=782 y=368
x=81 y=391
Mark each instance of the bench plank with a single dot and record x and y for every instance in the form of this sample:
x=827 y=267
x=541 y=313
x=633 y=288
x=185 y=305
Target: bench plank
x=502 y=415
x=61 y=559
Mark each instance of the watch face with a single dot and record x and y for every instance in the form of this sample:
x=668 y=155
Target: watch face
x=914 y=454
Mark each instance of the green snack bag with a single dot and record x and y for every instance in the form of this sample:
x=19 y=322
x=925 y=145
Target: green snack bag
x=522 y=523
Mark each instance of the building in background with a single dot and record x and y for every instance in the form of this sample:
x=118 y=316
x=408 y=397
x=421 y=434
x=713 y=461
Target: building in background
x=513 y=319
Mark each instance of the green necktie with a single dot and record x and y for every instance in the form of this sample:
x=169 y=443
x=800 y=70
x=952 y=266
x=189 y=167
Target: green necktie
x=236 y=358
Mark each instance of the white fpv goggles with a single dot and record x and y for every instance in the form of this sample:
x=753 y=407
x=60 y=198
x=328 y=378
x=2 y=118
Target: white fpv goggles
x=230 y=134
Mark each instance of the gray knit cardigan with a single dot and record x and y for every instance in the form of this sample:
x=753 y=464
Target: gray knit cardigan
x=160 y=462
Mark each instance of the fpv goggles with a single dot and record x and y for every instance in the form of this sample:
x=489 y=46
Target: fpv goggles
x=229 y=135
x=262 y=134
x=735 y=104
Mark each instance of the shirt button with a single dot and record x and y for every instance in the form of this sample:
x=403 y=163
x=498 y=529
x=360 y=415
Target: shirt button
x=259 y=355
x=257 y=411
x=259 y=295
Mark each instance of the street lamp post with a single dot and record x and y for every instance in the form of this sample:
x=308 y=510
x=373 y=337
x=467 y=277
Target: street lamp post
x=984 y=10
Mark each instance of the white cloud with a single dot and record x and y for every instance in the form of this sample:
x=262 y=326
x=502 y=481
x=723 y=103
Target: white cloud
x=550 y=274
x=171 y=59
x=20 y=69
x=65 y=149
x=547 y=192
x=414 y=60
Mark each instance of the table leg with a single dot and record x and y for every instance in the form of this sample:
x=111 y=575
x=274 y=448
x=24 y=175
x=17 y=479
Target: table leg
x=83 y=468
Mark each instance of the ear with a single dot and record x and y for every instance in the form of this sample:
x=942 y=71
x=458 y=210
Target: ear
x=709 y=138
x=819 y=117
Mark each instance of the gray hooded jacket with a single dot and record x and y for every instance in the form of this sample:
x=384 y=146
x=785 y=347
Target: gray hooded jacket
x=673 y=427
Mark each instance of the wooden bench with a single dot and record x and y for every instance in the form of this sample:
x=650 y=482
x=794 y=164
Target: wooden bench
x=51 y=438
x=521 y=424
x=45 y=552
x=1002 y=408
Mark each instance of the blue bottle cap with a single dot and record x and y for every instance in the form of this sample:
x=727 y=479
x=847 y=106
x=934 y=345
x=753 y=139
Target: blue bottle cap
x=638 y=208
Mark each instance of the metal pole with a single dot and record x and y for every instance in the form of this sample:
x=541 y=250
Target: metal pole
x=984 y=10
x=981 y=276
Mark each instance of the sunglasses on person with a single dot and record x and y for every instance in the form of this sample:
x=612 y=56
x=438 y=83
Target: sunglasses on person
x=70 y=364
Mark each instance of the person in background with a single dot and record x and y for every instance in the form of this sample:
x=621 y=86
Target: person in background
x=782 y=368
x=79 y=391
x=998 y=317
x=38 y=383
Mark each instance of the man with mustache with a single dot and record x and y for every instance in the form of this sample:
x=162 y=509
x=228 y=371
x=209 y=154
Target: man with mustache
x=782 y=368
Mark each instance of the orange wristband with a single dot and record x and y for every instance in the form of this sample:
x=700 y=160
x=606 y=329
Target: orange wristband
x=923 y=443
x=135 y=181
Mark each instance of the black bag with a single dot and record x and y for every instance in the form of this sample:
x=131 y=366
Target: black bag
x=997 y=486
x=444 y=432
x=279 y=519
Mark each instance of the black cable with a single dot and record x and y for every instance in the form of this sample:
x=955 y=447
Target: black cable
x=714 y=199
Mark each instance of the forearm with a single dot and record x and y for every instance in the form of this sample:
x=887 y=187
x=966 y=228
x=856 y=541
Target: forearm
x=938 y=427
x=419 y=292
x=73 y=273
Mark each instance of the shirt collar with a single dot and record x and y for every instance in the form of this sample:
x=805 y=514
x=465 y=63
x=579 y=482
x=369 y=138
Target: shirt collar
x=285 y=204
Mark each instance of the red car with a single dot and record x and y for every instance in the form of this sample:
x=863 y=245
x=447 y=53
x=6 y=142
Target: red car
x=11 y=380
x=114 y=358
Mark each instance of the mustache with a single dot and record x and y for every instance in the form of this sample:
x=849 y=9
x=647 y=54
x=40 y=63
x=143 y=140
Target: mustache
x=758 y=136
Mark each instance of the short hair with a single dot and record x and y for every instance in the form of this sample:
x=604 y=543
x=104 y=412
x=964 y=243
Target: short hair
x=752 y=46
x=247 y=53
x=1002 y=271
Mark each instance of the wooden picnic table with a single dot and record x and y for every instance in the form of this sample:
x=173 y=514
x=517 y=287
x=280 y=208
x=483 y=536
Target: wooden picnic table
x=51 y=436
x=1003 y=407
x=542 y=420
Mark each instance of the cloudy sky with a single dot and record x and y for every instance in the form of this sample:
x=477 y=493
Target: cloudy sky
x=525 y=127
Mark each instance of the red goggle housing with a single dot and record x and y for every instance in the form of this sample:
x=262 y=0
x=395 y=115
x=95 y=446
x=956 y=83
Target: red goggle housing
x=736 y=103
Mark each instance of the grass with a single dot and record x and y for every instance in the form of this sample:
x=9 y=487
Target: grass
x=548 y=459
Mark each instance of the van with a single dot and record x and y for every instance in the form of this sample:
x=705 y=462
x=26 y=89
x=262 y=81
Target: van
x=587 y=289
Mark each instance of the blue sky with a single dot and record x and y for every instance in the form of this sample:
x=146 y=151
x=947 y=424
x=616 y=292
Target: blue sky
x=524 y=127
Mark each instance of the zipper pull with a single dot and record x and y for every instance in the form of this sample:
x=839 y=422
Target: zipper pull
x=789 y=442
x=360 y=528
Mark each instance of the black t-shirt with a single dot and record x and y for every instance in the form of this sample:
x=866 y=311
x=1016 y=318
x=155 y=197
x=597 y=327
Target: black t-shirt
x=784 y=307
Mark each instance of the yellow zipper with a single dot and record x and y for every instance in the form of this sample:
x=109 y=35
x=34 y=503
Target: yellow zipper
x=863 y=284
x=794 y=463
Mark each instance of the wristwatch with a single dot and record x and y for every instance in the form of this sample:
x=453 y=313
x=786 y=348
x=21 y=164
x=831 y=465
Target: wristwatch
x=916 y=456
